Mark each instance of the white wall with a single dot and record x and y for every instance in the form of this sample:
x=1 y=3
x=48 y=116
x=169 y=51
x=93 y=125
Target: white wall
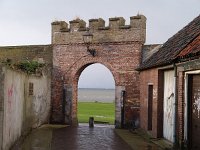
x=21 y=111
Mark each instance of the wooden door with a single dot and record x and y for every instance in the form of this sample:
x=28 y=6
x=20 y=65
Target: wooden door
x=195 y=113
x=168 y=106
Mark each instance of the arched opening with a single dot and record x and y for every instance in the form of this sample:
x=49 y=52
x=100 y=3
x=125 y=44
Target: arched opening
x=96 y=95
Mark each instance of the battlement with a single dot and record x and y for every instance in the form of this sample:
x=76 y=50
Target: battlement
x=116 y=31
x=95 y=24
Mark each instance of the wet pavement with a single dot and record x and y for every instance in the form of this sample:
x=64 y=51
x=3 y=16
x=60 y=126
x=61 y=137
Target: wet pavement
x=83 y=138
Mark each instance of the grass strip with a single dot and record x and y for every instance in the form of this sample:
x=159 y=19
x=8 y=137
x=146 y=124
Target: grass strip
x=102 y=112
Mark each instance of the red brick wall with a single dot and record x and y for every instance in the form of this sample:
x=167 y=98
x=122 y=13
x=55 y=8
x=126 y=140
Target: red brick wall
x=180 y=112
x=70 y=60
x=149 y=77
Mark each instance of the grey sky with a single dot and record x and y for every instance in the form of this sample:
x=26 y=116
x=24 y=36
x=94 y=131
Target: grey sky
x=97 y=76
x=28 y=22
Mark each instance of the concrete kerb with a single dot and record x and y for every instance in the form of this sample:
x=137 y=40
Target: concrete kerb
x=138 y=139
x=161 y=142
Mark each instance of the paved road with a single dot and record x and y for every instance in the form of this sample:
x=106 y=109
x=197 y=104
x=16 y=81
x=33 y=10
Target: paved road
x=51 y=137
x=73 y=138
x=85 y=138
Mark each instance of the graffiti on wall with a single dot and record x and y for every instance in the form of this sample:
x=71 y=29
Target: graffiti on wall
x=10 y=107
x=196 y=104
x=10 y=97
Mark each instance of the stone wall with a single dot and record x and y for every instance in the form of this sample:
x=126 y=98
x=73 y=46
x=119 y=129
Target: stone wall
x=41 y=53
x=24 y=107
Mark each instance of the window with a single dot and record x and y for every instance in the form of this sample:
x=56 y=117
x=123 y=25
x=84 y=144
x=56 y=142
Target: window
x=30 y=88
x=150 y=106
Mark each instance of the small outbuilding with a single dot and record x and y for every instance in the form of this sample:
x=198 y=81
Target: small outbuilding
x=170 y=88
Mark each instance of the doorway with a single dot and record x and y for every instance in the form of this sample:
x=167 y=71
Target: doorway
x=193 y=110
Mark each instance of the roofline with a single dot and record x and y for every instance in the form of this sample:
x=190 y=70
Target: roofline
x=191 y=56
x=155 y=66
x=175 y=59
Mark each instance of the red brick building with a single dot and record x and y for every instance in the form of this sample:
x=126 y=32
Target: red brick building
x=170 y=88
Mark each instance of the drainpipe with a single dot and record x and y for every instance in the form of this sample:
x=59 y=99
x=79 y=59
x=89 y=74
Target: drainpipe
x=175 y=104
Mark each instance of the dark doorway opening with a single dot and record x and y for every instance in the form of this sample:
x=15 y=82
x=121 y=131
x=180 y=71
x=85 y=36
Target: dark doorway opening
x=150 y=106
x=193 y=111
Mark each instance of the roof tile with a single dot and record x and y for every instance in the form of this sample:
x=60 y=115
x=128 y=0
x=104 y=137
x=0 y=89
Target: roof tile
x=173 y=46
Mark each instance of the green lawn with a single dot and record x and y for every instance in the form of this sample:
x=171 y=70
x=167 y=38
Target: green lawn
x=103 y=112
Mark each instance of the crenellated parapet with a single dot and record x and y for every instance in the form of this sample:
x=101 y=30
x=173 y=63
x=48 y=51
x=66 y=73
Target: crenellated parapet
x=95 y=24
x=116 y=31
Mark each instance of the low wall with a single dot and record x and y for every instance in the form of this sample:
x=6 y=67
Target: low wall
x=26 y=104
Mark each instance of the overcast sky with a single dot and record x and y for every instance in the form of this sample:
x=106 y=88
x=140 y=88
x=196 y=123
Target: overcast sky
x=28 y=22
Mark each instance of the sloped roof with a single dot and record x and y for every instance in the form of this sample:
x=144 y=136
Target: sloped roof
x=170 y=49
x=191 y=51
x=149 y=50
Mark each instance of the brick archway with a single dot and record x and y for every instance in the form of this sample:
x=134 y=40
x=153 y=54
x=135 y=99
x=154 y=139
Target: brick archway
x=118 y=48
x=75 y=77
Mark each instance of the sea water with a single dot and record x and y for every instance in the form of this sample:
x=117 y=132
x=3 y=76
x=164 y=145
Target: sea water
x=96 y=95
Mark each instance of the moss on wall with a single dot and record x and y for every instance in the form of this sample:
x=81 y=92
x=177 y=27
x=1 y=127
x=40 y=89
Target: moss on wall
x=40 y=53
x=29 y=67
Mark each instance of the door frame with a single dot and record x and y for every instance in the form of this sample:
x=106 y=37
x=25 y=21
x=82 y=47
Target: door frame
x=187 y=110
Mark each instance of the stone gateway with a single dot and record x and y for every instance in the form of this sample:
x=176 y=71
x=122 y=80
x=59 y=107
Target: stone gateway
x=118 y=47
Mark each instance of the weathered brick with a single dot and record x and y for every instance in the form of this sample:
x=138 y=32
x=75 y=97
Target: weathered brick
x=118 y=48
